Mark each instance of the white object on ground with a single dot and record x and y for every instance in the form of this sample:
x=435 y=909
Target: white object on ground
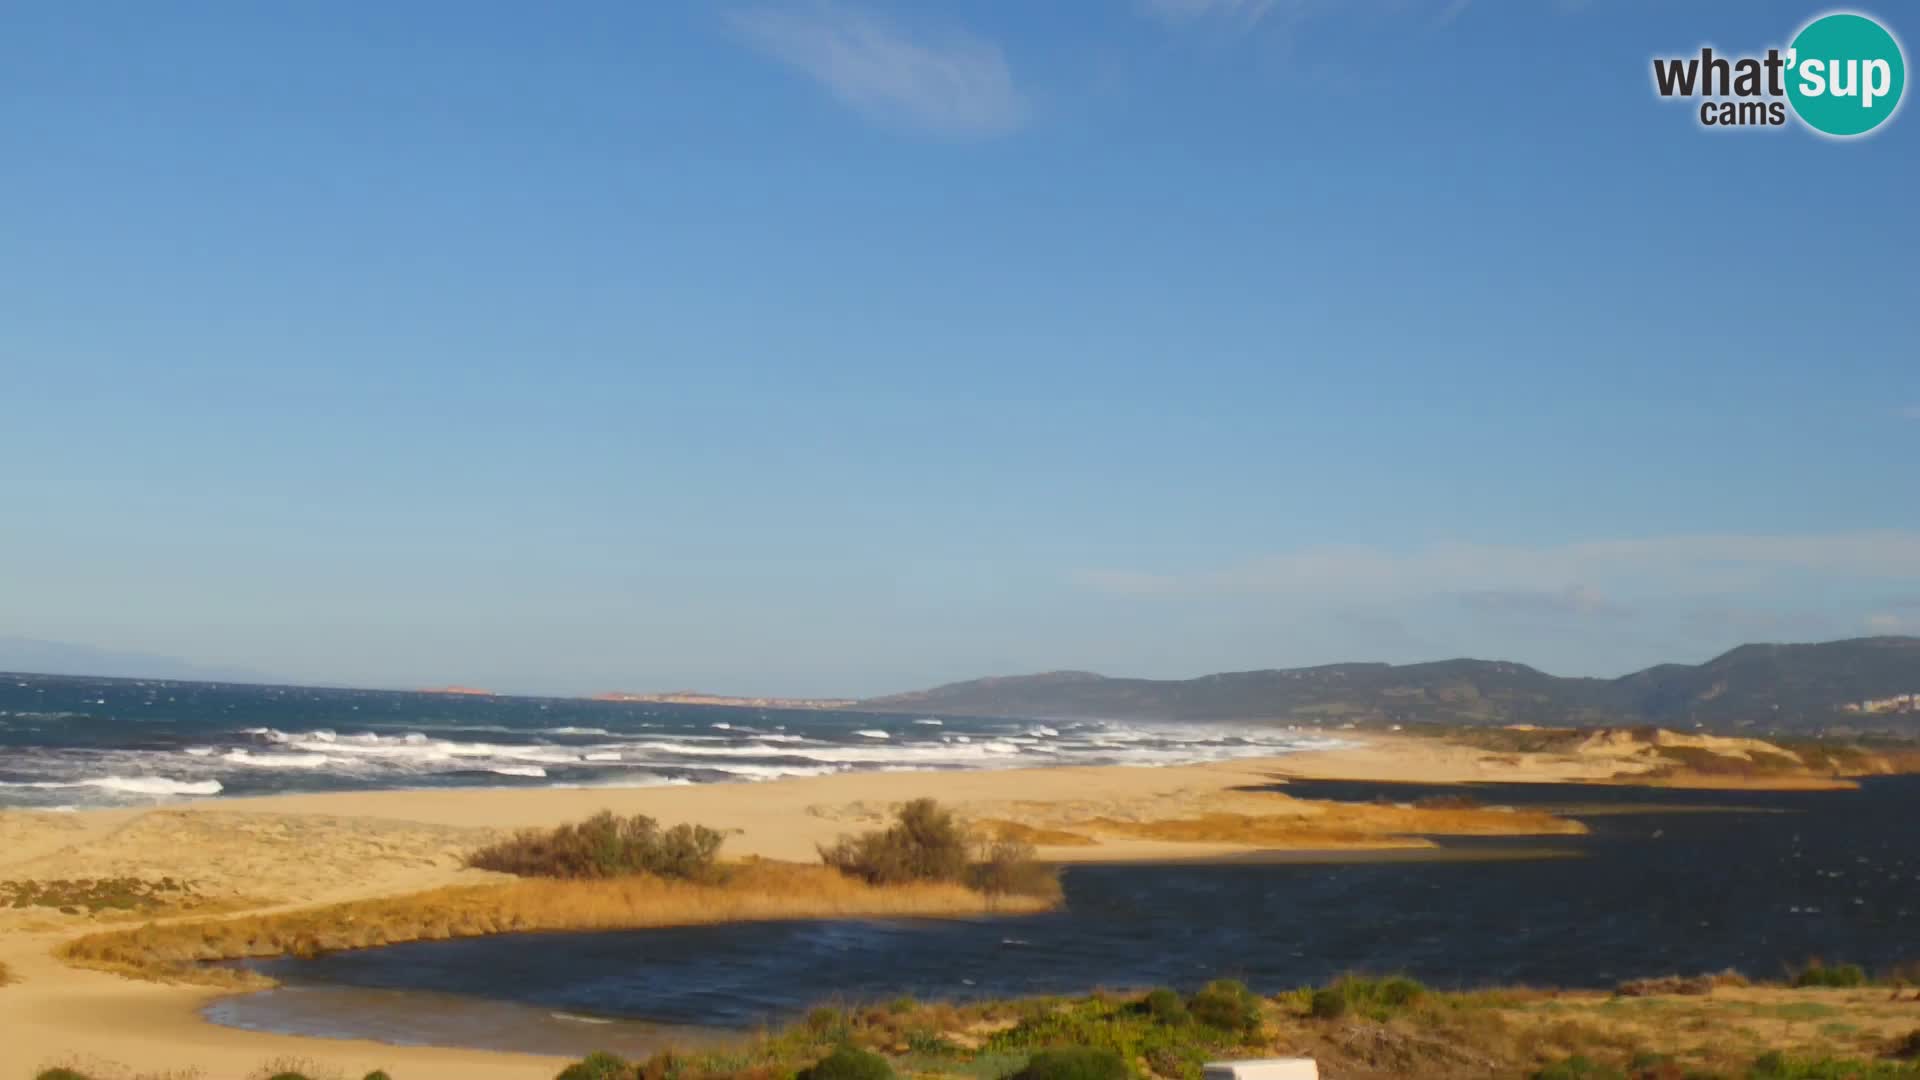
x=1292 y=1068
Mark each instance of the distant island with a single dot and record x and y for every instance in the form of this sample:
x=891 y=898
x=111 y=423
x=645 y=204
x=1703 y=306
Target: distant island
x=1858 y=687
x=695 y=697
x=464 y=691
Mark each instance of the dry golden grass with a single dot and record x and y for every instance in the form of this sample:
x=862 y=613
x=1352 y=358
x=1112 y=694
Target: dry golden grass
x=1038 y=836
x=1340 y=824
x=753 y=891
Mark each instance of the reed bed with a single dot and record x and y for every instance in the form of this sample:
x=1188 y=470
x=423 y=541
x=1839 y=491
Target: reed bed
x=1342 y=825
x=750 y=892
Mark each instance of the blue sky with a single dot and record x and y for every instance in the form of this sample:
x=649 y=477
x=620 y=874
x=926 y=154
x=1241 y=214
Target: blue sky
x=850 y=347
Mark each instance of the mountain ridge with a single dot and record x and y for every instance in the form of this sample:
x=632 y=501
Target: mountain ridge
x=1842 y=687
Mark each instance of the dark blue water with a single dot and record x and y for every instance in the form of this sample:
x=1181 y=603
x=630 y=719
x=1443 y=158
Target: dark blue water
x=73 y=742
x=1690 y=881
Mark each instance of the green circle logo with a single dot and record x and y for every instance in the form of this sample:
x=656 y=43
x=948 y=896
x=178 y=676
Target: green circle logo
x=1845 y=74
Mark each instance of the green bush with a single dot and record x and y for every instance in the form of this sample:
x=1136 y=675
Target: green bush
x=1166 y=1007
x=1578 y=1068
x=924 y=843
x=377 y=1074
x=1376 y=999
x=604 y=846
x=288 y=1076
x=1227 y=1005
x=1074 y=1063
x=1328 y=1005
x=1818 y=974
x=1777 y=1066
x=849 y=1063
x=597 y=1066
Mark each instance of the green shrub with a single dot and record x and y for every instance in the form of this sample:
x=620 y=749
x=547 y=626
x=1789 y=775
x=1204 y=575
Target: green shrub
x=604 y=846
x=924 y=843
x=1377 y=999
x=1818 y=974
x=1227 y=1005
x=1166 y=1007
x=288 y=1076
x=1775 y=1065
x=377 y=1074
x=1074 y=1063
x=1578 y=1068
x=1328 y=1004
x=849 y=1063
x=597 y=1066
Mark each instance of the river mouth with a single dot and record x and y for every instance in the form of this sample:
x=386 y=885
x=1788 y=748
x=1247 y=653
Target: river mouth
x=1761 y=884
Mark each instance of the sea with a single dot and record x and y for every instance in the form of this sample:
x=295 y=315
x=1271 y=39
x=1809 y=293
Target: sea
x=71 y=743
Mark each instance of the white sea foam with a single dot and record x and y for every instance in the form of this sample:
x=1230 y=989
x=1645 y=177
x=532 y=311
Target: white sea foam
x=534 y=771
x=131 y=785
x=873 y=733
x=773 y=772
x=930 y=721
x=277 y=761
x=578 y=731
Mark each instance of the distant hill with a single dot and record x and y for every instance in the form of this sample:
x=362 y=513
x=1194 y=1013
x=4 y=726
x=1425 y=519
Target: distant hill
x=22 y=654
x=1843 y=687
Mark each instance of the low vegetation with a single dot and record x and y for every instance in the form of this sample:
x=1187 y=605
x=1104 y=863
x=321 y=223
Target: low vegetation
x=1074 y=1063
x=927 y=844
x=1380 y=1028
x=849 y=1063
x=606 y=846
x=1817 y=973
x=750 y=891
x=273 y=1070
x=93 y=895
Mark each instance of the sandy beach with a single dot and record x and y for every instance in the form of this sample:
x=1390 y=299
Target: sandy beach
x=256 y=856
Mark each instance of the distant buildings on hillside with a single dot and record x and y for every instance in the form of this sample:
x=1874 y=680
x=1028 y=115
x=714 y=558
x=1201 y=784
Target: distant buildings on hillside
x=1898 y=703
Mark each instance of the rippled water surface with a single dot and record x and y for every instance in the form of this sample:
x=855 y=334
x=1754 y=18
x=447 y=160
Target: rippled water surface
x=1686 y=881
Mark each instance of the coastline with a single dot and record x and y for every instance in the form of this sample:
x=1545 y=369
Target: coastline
x=277 y=854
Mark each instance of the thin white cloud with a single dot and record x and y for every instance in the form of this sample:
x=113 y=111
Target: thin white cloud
x=1574 y=600
x=1700 y=562
x=953 y=84
x=1889 y=623
x=1250 y=11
